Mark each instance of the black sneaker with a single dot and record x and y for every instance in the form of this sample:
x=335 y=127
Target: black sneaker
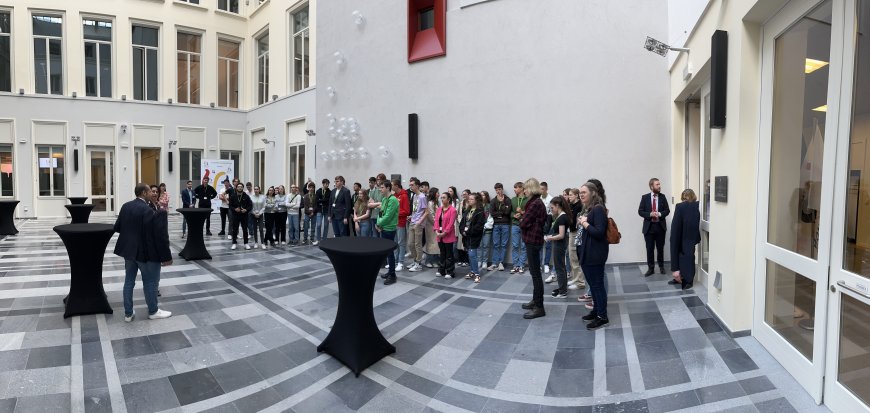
x=597 y=323
x=529 y=305
x=662 y=270
x=649 y=272
x=559 y=293
x=589 y=317
x=534 y=313
x=222 y=233
x=390 y=280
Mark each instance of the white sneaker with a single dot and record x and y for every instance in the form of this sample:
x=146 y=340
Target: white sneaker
x=229 y=237
x=283 y=243
x=387 y=267
x=256 y=245
x=546 y=269
x=318 y=242
x=400 y=267
x=160 y=314
x=500 y=267
x=408 y=255
x=265 y=246
x=130 y=317
x=247 y=247
x=233 y=247
x=550 y=279
x=572 y=287
x=448 y=276
x=414 y=268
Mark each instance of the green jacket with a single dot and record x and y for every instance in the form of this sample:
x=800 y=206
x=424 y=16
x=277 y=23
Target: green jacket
x=518 y=202
x=388 y=218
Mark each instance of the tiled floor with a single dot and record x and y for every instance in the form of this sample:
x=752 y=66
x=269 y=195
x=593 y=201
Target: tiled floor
x=246 y=324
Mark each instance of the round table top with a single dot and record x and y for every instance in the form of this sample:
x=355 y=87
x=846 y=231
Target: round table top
x=9 y=201
x=358 y=245
x=192 y=210
x=77 y=206
x=76 y=198
x=83 y=228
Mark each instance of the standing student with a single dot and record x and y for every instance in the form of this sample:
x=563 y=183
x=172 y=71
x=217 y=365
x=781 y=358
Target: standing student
x=445 y=233
x=402 y=226
x=471 y=227
x=548 y=248
x=162 y=198
x=204 y=194
x=340 y=208
x=654 y=210
x=459 y=246
x=249 y=189
x=258 y=206
x=188 y=200
x=362 y=214
x=269 y=209
x=322 y=211
x=388 y=219
x=416 y=225
x=500 y=208
x=240 y=204
x=431 y=247
x=375 y=199
x=518 y=208
x=685 y=234
x=577 y=281
x=294 y=200
x=557 y=236
x=144 y=244
x=593 y=251
x=534 y=213
x=357 y=188
x=281 y=215
x=224 y=196
x=309 y=211
x=486 y=240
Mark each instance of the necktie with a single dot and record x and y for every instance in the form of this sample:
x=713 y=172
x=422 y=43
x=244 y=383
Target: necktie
x=655 y=208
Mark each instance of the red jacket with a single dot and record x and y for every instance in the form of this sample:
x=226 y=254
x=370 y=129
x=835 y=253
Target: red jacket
x=446 y=219
x=404 y=208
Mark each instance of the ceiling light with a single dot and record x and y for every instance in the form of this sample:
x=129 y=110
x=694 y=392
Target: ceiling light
x=812 y=65
x=823 y=108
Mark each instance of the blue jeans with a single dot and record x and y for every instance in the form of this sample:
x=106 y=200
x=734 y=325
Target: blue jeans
x=250 y=222
x=338 y=227
x=402 y=239
x=391 y=259
x=595 y=279
x=484 y=247
x=365 y=228
x=293 y=226
x=548 y=253
x=472 y=260
x=518 y=253
x=183 y=225
x=500 y=235
x=322 y=226
x=150 y=281
x=308 y=224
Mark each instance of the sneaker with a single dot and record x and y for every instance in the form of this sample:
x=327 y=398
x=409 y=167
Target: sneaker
x=414 y=268
x=391 y=279
x=256 y=245
x=546 y=269
x=430 y=265
x=387 y=267
x=438 y=274
x=208 y=233
x=221 y=233
x=233 y=247
x=160 y=314
x=247 y=247
x=550 y=279
x=589 y=317
x=400 y=267
x=265 y=245
x=514 y=270
x=559 y=293
x=584 y=298
x=492 y=268
x=500 y=267
x=521 y=270
x=449 y=276
x=573 y=287
x=129 y=318
x=408 y=255
x=283 y=243
x=229 y=237
x=315 y=243
x=597 y=323
x=590 y=305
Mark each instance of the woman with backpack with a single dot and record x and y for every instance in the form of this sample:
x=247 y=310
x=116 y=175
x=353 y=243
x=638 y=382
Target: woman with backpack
x=592 y=251
x=471 y=227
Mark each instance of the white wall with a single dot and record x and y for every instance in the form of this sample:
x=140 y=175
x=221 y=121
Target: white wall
x=682 y=17
x=562 y=93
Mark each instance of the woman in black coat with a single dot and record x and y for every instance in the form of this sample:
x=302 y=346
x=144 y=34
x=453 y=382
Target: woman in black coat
x=685 y=234
x=592 y=252
x=471 y=228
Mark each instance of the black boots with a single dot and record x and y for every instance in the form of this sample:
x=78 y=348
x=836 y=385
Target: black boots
x=534 y=313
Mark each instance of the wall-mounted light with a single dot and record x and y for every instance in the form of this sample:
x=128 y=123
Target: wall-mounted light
x=123 y=97
x=75 y=140
x=170 y=101
x=21 y=91
x=169 y=157
x=358 y=18
x=75 y=95
x=123 y=128
x=274 y=97
x=310 y=132
x=211 y=104
x=267 y=141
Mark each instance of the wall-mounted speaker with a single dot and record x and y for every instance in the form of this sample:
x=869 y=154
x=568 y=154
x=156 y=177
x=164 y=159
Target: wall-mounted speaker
x=412 y=136
x=718 y=78
x=76 y=160
x=170 y=161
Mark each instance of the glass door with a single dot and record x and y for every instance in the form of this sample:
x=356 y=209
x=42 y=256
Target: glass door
x=704 y=189
x=800 y=85
x=847 y=387
x=148 y=166
x=102 y=179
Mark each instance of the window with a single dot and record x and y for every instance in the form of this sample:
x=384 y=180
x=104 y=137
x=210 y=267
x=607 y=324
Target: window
x=260 y=168
x=263 y=69
x=301 y=49
x=427 y=22
x=236 y=157
x=228 y=74
x=48 y=54
x=50 y=163
x=98 y=57
x=231 y=6
x=426 y=19
x=6 y=178
x=297 y=165
x=188 y=68
x=145 y=45
x=190 y=166
x=5 y=52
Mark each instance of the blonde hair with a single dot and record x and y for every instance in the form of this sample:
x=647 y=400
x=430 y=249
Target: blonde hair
x=532 y=186
x=688 y=195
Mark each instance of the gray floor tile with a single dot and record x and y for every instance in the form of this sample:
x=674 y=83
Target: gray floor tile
x=8 y=405
x=149 y=396
x=322 y=401
x=649 y=333
x=570 y=383
x=48 y=357
x=233 y=329
x=271 y=363
x=689 y=339
x=503 y=406
x=132 y=347
x=494 y=351
x=709 y=325
x=59 y=403
x=722 y=342
x=194 y=386
x=169 y=341
x=663 y=374
x=355 y=391
x=235 y=374
x=618 y=379
x=98 y=400
x=574 y=358
x=419 y=384
x=756 y=385
x=634 y=406
x=461 y=399
x=656 y=351
x=738 y=361
x=480 y=373
x=258 y=401
x=673 y=401
x=577 y=339
x=143 y=368
x=645 y=319
x=712 y=394
x=780 y=405
x=511 y=335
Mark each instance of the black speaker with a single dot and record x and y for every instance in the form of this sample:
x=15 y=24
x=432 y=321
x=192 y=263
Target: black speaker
x=412 y=135
x=170 y=161
x=76 y=160
x=718 y=78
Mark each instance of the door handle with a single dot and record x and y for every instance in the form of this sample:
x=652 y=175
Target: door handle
x=843 y=284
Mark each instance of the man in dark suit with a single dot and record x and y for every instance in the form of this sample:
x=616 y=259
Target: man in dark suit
x=144 y=244
x=188 y=200
x=654 y=209
x=340 y=207
x=204 y=194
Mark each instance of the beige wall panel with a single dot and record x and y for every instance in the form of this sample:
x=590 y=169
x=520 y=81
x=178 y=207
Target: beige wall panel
x=147 y=136
x=99 y=135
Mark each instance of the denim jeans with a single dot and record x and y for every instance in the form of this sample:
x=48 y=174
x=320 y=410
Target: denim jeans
x=533 y=253
x=257 y=232
x=150 y=281
x=338 y=227
x=322 y=226
x=183 y=225
x=391 y=259
x=365 y=228
x=518 y=253
x=472 y=260
x=308 y=224
x=250 y=223
x=548 y=253
x=501 y=233
x=402 y=239
x=293 y=226
x=595 y=279
x=483 y=251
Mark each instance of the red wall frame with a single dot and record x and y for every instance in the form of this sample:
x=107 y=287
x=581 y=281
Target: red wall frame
x=427 y=43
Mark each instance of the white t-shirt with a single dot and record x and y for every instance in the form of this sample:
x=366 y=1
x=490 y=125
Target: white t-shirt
x=224 y=202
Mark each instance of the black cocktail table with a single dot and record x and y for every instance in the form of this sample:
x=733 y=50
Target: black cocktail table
x=7 y=217
x=355 y=339
x=194 y=248
x=85 y=244
x=77 y=200
x=79 y=212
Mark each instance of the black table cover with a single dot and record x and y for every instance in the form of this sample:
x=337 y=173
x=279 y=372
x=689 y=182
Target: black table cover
x=355 y=339
x=77 y=200
x=79 y=212
x=85 y=245
x=7 y=217
x=194 y=248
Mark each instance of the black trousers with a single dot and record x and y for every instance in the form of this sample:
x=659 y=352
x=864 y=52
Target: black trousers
x=243 y=220
x=446 y=265
x=270 y=226
x=281 y=226
x=533 y=259
x=224 y=213
x=655 y=239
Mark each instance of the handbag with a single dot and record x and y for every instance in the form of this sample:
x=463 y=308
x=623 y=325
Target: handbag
x=613 y=235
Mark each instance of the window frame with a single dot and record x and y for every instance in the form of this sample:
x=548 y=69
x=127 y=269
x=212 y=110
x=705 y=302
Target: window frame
x=47 y=41
x=51 y=179
x=238 y=6
x=111 y=45
x=188 y=54
x=194 y=172
x=11 y=151
x=235 y=156
x=8 y=36
x=306 y=54
x=262 y=68
x=145 y=49
x=232 y=102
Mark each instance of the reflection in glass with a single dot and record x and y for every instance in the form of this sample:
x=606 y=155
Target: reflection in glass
x=6 y=171
x=705 y=251
x=797 y=137
x=98 y=180
x=707 y=153
x=853 y=370
x=789 y=307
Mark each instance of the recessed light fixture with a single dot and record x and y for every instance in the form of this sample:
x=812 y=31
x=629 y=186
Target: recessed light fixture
x=823 y=108
x=812 y=65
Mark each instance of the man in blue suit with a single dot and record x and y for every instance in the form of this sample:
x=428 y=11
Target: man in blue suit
x=144 y=244
x=654 y=210
x=188 y=200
